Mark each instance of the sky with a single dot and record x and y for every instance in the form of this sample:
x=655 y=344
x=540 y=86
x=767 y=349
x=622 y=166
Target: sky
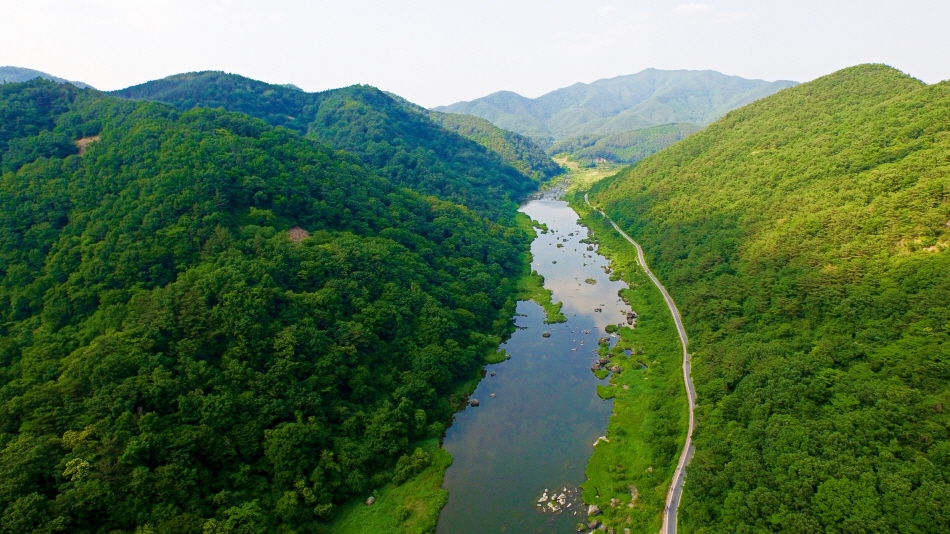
x=440 y=52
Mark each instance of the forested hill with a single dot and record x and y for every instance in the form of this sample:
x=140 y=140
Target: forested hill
x=519 y=151
x=214 y=325
x=622 y=147
x=805 y=239
x=401 y=144
x=649 y=98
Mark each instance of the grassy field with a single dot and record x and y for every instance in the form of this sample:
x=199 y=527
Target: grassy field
x=628 y=475
x=581 y=178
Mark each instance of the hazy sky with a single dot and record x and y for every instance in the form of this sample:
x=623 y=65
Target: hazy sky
x=439 y=52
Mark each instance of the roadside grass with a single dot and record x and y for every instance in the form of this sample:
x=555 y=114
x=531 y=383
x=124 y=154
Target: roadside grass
x=410 y=508
x=649 y=422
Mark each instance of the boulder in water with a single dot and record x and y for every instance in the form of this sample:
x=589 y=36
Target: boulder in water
x=593 y=510
x=546 y=334
x=473 y=402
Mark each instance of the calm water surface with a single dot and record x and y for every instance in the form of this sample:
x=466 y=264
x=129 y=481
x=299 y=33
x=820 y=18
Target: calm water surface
x=538 y=431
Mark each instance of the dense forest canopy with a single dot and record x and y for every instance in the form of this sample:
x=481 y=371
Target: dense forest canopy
x=805 y=239
x=214 y=325
x=397 y=139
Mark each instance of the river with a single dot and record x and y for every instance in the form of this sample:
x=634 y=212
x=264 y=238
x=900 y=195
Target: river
x=539 y=415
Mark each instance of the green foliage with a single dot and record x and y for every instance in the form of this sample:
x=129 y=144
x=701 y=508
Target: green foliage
x=804 y=238
x=171 y=361
x=28 y=110
x=397 y=141
x=623 y=147
x=410 y=466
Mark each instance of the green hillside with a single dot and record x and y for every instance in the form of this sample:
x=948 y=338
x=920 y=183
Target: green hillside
x=649 y=98
x=623 y=147
x=397 y=141
x=20 y=74
x=214 y=325
x=517 y=150
x=805 y=239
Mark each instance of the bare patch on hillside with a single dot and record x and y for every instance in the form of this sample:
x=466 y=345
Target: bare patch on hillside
x=297 y=234
x=83 y=143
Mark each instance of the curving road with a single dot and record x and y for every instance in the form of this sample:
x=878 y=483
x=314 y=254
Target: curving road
x=679 y=476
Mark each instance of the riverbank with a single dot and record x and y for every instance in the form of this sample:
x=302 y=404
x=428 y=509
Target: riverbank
x=539 y=413
x=413 y=507
x=629 y=474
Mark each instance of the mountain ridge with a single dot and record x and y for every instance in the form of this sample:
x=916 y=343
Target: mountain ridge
x=401 y=143
x=648 y=98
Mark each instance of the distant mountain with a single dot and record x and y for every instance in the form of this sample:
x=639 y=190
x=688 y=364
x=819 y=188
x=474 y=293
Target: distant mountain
x=20 y=74
x=649 y=98
x=622 y=147
x=400 y=141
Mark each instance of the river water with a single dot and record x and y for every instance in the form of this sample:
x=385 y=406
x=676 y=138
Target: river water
x=536 y=434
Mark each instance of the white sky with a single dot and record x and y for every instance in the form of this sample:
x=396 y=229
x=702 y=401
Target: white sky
x=439 y=52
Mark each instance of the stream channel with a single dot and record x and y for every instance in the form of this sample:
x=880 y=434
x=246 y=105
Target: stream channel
x=540 y=415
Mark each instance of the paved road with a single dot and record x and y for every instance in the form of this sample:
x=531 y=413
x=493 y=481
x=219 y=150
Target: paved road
x=679 y=476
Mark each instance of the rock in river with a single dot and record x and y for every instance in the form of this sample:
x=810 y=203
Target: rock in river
x=473 y=402
x=546 y=334
x=593 y=510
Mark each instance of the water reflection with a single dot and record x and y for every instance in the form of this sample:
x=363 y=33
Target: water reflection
x=537 y=432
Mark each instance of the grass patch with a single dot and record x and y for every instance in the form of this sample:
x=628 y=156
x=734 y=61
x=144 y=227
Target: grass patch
x=531 y=284
x=410 y=508
x=648 y=426
x=606 y=392
x=582 y=178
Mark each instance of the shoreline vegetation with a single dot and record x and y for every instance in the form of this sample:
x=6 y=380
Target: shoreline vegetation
x=531 y=284
x=805 y=238
x=414 y=506
x=630 y=472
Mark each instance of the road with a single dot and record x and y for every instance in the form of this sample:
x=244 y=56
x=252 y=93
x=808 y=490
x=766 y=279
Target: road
x=679 y=476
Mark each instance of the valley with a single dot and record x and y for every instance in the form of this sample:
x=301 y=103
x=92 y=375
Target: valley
x=231 y=306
